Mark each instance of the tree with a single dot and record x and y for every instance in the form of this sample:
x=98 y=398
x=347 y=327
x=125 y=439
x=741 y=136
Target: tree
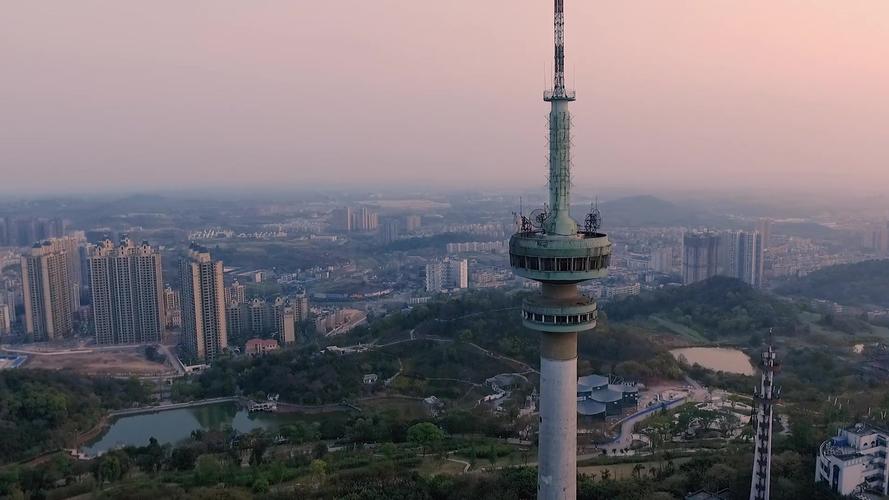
x=424 y=434
x=318 y=471
x=109 y=469
x=260 y=485
x=208 y=470
x=183 y=458
x=319 y=450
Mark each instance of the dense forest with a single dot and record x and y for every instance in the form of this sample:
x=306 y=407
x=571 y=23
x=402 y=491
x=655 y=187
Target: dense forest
x=299 y=376
x=860 y=284
x=43 y=410
x=718 y=306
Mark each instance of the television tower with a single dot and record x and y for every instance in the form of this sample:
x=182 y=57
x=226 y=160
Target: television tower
x=763 y=396
x=550 y=248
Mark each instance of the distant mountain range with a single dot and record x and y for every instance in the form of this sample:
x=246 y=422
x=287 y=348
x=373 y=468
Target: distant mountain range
x=638 y=211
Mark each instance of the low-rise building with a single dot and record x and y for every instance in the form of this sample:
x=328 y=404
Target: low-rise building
x=599 y=397
x=256 y=347
x=854 y=461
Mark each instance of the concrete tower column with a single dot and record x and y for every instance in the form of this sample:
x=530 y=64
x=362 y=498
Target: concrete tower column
x=557 y=446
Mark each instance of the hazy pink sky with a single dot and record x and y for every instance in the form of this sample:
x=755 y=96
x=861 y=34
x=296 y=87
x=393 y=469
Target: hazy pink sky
x=107 y=94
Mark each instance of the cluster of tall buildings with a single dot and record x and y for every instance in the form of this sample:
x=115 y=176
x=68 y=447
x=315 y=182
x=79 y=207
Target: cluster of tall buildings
x=393 y=228
x=23 y=232
x=131 y=304
x=258 y=317
x=355 y=219
x=738 y=254
x=447 y=274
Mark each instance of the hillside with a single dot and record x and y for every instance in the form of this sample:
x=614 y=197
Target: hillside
x=651 y=211
x=717 y=307
x=860 y=284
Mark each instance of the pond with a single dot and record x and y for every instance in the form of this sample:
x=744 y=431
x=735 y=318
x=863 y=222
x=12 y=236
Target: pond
x=172 y=426
x=717 y=358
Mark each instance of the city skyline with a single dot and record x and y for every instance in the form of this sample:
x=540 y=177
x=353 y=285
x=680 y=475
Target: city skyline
x=688 y=95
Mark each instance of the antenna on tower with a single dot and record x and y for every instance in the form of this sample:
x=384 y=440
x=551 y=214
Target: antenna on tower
x=559 y=57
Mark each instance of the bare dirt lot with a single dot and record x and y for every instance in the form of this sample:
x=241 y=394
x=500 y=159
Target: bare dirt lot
x=116 y=362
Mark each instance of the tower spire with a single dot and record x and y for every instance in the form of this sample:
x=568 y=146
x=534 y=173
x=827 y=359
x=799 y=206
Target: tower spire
x=560 y=221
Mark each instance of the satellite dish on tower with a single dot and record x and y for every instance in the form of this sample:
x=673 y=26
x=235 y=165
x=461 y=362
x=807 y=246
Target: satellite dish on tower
x=538 y=217
x=593 y=220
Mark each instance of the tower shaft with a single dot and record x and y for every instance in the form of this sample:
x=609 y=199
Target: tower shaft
x=560 y=221
x=557 y=446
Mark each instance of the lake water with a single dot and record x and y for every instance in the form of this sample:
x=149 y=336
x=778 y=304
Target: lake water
x=717 y=359
x=172 y=426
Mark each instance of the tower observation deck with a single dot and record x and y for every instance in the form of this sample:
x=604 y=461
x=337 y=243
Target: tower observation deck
x=552 y=249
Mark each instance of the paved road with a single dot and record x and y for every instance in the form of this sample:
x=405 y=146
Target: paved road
x=625 y=438
x=171 y=406
x=173 y=359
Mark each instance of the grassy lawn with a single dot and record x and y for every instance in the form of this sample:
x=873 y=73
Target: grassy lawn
x=407 y=408
x=678 y=329
x=434 y=466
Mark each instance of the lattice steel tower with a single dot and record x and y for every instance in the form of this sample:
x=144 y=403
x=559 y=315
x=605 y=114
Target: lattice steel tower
x=764 y=397
x=550 y=248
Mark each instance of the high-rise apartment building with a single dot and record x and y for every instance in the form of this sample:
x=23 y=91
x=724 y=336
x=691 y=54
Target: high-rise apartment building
x=8 y=296
x=300 y=302
x=5 y=320
x=661 y=260
x=390 y=231
x=700 y=256
x=71 y=246
x=47 y=292
x=750 y=258
x=128 y=293
x=236 y=319
x=172 y=308
x=288 y=329
x=363 y=219
x=764 y=227
x=741 y=256
x=879 y=240
x=341 y=219
x=412 y=223
x=434 y=277
x=447 y=274
x=260 y=317
x=26 y=231
x=236 y=293
x=204 y=328
x=457 y=273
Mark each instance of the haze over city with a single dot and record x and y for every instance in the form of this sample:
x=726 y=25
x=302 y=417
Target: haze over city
x=681 y=95
x=498 y=250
